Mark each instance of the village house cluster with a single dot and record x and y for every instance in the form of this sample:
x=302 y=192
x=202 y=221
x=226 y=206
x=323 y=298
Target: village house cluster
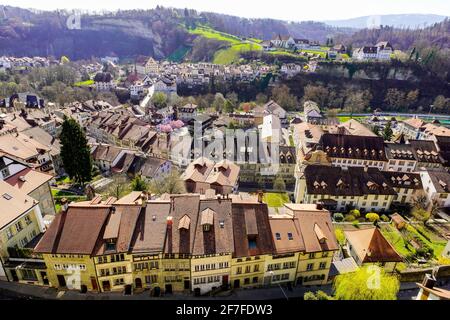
x=347 y=166
x=222 y=234
x=18 y=64
x=172 y=243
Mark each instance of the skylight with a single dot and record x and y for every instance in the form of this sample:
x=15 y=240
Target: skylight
x=7 y=196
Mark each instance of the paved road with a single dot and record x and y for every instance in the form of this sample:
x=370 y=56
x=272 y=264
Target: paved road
x=14 y=291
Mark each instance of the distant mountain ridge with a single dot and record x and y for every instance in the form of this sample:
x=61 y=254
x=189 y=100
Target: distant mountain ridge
x=412 y=21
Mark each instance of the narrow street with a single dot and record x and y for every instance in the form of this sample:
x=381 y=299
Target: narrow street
x=15 y=291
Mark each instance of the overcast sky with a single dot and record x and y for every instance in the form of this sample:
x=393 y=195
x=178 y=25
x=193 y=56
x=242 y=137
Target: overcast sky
x=293 y=10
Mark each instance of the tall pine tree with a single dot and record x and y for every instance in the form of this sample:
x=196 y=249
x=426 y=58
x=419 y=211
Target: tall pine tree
x=387 y=132
x=75 y=152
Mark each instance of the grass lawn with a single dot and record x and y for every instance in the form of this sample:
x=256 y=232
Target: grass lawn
x=232 y=54
x=320 y=53
x=284 y=53
x=345 y=119
x=395 y=238
x=276 y=200
x=438 y=246
x=209 y=33
x=59 y=193
x=84 y=83
x=63 y=180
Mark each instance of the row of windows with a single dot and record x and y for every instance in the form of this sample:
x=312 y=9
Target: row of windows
x=203 y=280
x=376 y=197
x=173 y=279
x=247 y=259
x=248 y=269
x=151 y=279
x=18 y=226
x=70 y=266
x=113 y=271
x=114 y=258
x=314 y=277
x=280 y=277
x=401 y=163
x=176 y=256
x=146 y=265
x=247 y=280
x=175 y=267
x=359 y=162
x=211 y=266
x=310 y=266
x=70 y=256
x=289 y=235
x=279 y=266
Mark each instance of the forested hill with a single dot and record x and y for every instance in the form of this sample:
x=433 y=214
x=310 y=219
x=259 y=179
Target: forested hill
x=158 y=32
x=437 y=35
x=270 y=28
x=165 y=32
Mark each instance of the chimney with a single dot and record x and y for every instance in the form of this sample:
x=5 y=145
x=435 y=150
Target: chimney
x=319 y=206
x=260 y=196
x=169 y=234
x=144 y=199
x=429 y=281
x=64 y=205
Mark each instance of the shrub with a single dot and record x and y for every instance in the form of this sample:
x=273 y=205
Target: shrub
x=421 y=214
x=323 y=296
x=443 y=261
x=349 y=218
x=423 y=232
x=310 y=296
x=356 y=224
x=340 y=236
x=385 y=218
x=372 y=217
x=356 y=213
x=338 y=217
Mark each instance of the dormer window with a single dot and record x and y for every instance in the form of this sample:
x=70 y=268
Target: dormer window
x=207 y=219
x=111 y=245
x=290 y=236
x=278 y=236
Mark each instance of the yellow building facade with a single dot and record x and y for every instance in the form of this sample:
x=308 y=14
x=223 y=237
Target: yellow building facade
x=314 y=268
x=114 y=272
x=72 y=272
x=209 y=272
x=281 y=268
x=248 y=272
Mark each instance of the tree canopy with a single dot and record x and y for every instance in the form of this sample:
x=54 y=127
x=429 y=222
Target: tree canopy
x=75 y=152
x=169 y=183
x=368 y=283
x=139 y=184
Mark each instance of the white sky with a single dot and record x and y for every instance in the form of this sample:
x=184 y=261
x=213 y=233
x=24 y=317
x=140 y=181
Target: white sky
x=293 y=10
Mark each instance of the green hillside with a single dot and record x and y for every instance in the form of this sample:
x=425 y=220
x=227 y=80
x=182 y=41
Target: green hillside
x=235 y=47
